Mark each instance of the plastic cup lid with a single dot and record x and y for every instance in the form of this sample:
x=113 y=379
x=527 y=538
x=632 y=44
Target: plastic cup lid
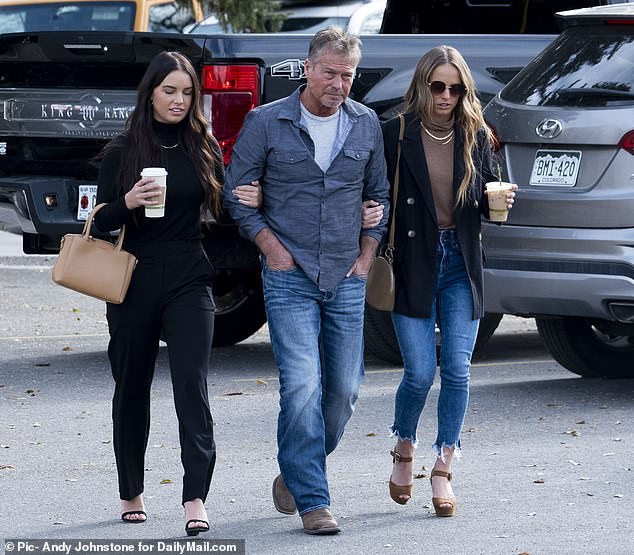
x=152 y=172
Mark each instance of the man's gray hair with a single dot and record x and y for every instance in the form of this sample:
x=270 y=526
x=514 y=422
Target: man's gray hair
x=336 y=40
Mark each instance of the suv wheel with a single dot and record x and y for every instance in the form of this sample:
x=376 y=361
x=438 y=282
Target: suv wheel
x=580 y=346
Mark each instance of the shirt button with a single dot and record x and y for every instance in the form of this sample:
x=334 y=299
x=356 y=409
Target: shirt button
x=476 y=204
x=479 y=237
x=357 y=155
x=411 y=233
x=410 y=200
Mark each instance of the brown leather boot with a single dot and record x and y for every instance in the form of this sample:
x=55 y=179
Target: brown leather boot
x=282 y=498
x=320 y=522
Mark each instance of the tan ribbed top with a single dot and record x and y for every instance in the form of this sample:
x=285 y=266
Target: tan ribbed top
x=439 y=159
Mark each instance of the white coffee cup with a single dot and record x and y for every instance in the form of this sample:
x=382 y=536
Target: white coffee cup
x=496 y=194
x=160 y=176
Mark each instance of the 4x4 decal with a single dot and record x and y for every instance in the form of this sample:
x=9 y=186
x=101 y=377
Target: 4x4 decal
x=291 y=69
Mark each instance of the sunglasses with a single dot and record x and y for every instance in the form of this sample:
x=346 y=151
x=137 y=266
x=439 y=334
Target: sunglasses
x=438 y=87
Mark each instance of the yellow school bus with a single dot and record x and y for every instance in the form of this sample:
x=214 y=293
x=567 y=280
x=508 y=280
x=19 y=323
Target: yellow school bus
x=18 y=16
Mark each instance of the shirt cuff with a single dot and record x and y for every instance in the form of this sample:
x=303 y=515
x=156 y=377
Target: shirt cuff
x=252 y=231
x=376 y=234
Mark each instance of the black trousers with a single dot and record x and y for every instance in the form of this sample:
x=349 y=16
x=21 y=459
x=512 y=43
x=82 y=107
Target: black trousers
x=170 y=290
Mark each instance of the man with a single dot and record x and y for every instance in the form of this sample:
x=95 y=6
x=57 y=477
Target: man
x=317 y=155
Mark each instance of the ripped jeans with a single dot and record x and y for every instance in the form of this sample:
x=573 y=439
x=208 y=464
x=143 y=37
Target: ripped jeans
x=452 y=309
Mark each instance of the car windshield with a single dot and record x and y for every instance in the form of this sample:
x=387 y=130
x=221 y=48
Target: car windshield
x=311 y=24
x=586 y=66
x=68 y=16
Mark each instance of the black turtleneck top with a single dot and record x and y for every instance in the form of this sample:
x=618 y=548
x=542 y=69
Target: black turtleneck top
x=185 y=195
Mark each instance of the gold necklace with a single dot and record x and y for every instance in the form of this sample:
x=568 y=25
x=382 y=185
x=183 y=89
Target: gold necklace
x=442 y=140
x=168 y=147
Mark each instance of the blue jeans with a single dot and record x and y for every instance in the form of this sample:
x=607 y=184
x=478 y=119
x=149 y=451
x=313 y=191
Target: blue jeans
x=452 y=309
x=317 y=340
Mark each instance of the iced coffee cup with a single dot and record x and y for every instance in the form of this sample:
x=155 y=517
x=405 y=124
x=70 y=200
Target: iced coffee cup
x=496 y=194
x=160 y=176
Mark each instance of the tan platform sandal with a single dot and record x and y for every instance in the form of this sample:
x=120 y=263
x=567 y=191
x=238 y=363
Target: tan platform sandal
x=396 y=491
x=450 y=503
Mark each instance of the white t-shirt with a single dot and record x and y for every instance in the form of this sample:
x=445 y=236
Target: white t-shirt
x=323 y=132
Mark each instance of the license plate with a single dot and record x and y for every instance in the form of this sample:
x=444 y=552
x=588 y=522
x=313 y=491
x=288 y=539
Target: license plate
x=86 y=200
x=556 y=168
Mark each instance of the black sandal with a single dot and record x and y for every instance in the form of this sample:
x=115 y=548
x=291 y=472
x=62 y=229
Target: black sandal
x=195 y=530
x=134 y=520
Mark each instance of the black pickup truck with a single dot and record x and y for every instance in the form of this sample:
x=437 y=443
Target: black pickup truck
x=63 y=95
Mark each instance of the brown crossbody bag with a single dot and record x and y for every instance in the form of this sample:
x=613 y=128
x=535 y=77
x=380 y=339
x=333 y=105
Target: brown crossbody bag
x=380 y=290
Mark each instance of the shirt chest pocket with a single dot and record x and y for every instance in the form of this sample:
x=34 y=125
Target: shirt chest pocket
x=290 y=157
x=355 y=154
x=355 y=160
x=289 y=166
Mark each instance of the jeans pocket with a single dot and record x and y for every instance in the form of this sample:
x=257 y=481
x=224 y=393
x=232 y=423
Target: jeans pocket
x=359 y=278
x=267 y=268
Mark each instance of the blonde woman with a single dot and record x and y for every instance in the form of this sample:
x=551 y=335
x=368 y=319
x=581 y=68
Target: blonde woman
x=445 y=161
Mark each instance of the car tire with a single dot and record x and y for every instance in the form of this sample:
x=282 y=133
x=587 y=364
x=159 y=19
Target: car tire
x=488 y=324
x=239 y=307
x=580 y=346
x=380 y=337
x=381 y=342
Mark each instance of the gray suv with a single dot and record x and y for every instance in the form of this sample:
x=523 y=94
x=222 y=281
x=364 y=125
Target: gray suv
x=565 y=125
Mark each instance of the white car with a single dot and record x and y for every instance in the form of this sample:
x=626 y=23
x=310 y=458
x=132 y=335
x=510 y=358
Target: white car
x=360 y=18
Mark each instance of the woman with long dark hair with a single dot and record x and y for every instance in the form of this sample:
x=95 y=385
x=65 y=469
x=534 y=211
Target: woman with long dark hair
x=170 y=292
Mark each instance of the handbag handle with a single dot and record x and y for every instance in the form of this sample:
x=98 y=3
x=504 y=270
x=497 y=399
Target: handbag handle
x=88 y=225
x=389 y=251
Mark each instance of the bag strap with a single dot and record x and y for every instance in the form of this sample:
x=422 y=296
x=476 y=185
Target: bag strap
x=389 y=251
x=88 y=225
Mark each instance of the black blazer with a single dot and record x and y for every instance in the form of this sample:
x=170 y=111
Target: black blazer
x=416 y=226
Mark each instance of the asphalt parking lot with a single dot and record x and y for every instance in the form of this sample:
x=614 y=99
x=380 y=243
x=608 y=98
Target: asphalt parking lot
x=546 y=466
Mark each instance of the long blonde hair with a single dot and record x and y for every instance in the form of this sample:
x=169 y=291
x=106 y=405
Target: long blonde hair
x=467 y=113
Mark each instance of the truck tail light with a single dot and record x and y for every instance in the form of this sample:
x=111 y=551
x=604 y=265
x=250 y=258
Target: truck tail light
x=229 y=92
x=627 y=142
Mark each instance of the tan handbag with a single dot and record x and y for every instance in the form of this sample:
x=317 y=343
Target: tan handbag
x=94 y=267
x=380 y=288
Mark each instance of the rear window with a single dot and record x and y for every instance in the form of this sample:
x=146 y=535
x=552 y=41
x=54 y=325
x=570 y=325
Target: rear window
x=68 y=16
x=478 y=16
x=169 y=17
x=589 y=66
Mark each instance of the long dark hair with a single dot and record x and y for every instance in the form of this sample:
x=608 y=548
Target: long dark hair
x=140 y=145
